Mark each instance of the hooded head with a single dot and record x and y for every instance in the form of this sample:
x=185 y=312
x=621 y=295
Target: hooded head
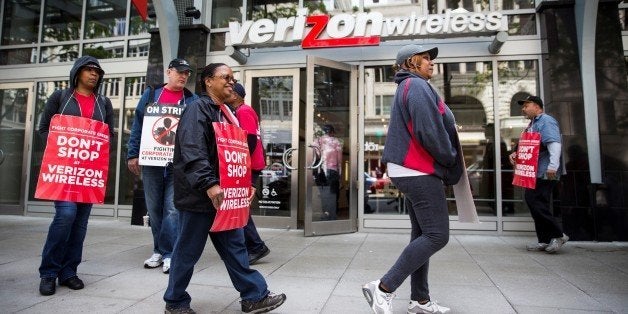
x=82 y=62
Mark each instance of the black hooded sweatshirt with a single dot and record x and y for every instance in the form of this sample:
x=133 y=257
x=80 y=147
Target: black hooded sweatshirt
x=103 y=110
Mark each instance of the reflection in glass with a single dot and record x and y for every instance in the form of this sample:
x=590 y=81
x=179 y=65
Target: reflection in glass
x=20 y=23
x=225 y=11
x=331 y=141
x=259 y=9
x=65 y=53
x=517 y=80
x=217 y=41
x=440 y=6
x=106 y=50
x=271 y=98
x=138 y=48
x=139 y=27
x=105 y=19
x=514 y=4
x=62 y=20
x=13 y=104
x=18 y=56
x=133 y=89
x=467 y=88
x=522 y=24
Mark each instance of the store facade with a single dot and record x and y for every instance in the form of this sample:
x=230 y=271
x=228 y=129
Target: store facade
x=311 y=65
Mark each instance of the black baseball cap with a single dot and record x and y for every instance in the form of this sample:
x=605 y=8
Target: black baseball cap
x=180 y=65
x=535 y=99
x=95 y=66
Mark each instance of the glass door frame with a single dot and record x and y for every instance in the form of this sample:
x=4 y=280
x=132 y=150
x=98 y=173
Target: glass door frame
x=317 y=228
x=20 y=208
x=280 y=222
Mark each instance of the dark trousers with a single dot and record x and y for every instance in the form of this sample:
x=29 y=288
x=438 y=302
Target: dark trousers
x=193 y=233
x=538 y=200
x=427 y=207
x=254 y=243
x=63 y=250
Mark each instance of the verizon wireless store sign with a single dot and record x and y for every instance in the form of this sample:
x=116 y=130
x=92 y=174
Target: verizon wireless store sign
x=361 y=29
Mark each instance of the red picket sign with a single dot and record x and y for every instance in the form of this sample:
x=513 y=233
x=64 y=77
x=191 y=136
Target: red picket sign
x=76 y=161
x=527 y=160
x=234 y=164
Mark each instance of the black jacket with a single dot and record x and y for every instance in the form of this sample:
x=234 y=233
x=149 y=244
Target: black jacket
x=103 y=110
x=195 y=156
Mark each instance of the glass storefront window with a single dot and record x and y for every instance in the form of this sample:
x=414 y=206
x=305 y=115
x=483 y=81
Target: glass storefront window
x=517 y=80
x=139 y=27
x=133 y=90
x=106 y=50
x=18 y=56
x=105 y=18
x=258 y=9
x=217 y=41
x=65 y=53
x=20 y=23
x=62 y=21
x=225 y=11
x=522 y=24
x=138 y=48
x=513 y=4
x=467 y=88
x=440 y=6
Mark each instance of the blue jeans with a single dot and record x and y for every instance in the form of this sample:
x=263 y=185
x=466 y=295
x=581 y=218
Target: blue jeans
x=63 y=250
x=254 y=243
x=159 y=194
x=427 y=207
x=193 y=232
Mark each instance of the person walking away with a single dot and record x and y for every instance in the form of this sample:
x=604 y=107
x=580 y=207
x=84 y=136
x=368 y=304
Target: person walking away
x=249 y=121
x=63 y=250
x=549 y=233
x=331 y=152
x=157 y=175
x=198 y=195
x=421 y=153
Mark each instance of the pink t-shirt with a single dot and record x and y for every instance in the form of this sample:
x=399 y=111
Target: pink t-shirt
x=331 y=150
x=249 y=121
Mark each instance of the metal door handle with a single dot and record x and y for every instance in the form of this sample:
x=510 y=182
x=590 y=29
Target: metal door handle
x=317 y=153
x=1 y=156
x=284 y=158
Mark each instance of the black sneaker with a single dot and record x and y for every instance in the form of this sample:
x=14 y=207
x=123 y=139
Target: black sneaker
x=267 y=304
x=73 y=283
x=47 y=286
x=259 y=255
x=179 y=310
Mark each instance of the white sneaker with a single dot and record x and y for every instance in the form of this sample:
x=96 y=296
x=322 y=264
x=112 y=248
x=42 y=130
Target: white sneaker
x=166 y=266
x=154 y=261
x=556 y=243
x=536 y=246
x=429 y=307
x=380 y=301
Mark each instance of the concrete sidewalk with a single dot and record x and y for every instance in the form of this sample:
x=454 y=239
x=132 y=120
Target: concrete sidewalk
x=472 y=274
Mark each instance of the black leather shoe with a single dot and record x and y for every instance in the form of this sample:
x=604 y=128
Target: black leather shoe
x=259 y=255
x=73 y=283
x=47 y=286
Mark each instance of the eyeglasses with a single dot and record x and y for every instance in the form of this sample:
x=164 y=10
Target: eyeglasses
x=227 y=78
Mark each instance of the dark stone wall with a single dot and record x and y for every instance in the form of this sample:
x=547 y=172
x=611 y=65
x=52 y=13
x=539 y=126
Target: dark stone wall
x=588 y=211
